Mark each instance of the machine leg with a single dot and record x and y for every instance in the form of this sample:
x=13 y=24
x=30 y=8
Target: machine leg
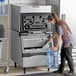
x=48 y=69
x=15 y=64
x=24 y=70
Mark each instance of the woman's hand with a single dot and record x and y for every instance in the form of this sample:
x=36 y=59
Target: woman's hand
x=54 y=48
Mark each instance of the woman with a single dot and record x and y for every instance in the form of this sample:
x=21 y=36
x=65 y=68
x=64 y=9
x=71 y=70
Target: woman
x=64 y=34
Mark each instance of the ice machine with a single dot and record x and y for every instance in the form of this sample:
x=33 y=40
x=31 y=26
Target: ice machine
x=30 y=31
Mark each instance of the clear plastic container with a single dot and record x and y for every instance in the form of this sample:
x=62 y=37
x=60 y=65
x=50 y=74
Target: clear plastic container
x=52 y=58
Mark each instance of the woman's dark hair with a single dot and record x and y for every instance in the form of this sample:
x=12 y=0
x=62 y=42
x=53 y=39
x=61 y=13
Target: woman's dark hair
x=60 y=22
x=53 y=16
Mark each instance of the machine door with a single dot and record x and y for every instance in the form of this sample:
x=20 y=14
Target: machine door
x=30 y=42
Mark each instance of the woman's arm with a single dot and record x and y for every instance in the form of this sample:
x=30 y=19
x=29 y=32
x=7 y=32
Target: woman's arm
x=59 y=39
x=51 y=37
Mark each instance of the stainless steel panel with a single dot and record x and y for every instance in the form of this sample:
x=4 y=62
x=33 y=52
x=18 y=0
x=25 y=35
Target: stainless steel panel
x=34 y=61
x=35 y=9
x=33 y=42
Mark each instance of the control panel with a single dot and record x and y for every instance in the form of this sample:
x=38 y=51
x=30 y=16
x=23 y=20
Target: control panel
x=34 y=21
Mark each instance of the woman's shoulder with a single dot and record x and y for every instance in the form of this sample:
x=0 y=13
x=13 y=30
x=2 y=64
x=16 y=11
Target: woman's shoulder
x=58 y=26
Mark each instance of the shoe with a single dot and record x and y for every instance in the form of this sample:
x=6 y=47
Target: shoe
x=57 y=71
x=70 y=73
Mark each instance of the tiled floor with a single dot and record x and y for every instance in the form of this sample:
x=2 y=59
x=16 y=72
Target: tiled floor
x=19 y=70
